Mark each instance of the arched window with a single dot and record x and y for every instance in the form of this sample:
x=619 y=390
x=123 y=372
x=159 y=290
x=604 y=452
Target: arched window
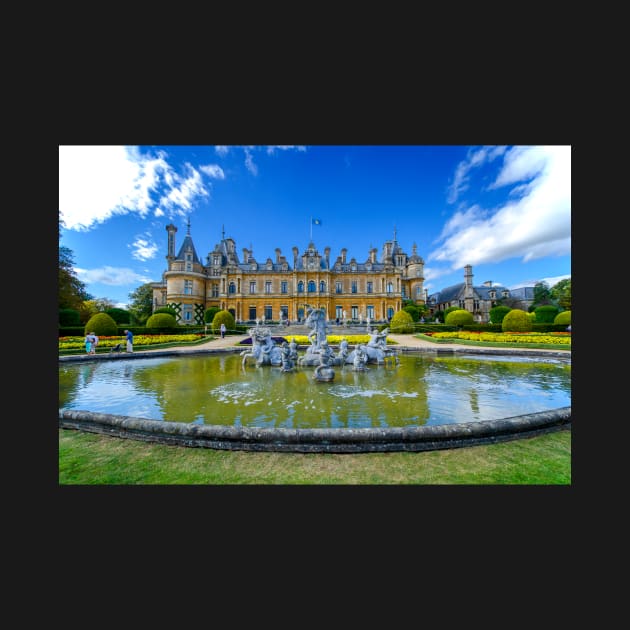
x=322 y=286
x=390 y=287
x=311 y=286
x=300 y=287
x=232 y=288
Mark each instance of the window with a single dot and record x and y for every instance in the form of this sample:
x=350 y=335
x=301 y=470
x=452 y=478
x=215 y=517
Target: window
x=232 y=288
x=390 y=312
x=403 y=292
x=322 y=286
x=369 y=287
x=187 y=313
x=311 y=286
x=216 y=260
x=338 y=288
x=300 y=287
x=268 y=313
x=215 y=290
x=188 y=287
x=355 y=312
x=338 y=312
x=283 y=286
x=252 y=286
x=419 y=290
x=188 y=262
x=284 y=312
x=252 y=312
x=390 y=287
x=268 y=287
x=354 y=287
x=370 y=311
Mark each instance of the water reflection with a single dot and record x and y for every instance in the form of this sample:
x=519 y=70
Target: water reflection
x=215 y=389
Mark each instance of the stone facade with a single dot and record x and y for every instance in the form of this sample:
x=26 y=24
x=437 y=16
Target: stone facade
x=279 y=289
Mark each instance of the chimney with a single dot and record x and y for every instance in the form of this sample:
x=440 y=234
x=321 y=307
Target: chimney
x=294 y=249
x=277 y=254
x=327 y=254
x=344 y=251
x=373 y=254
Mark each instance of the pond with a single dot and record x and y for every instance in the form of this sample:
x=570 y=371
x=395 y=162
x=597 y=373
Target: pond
x=423 y=390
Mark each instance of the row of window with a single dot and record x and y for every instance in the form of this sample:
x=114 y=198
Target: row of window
x=340 y=313
x=284 y=287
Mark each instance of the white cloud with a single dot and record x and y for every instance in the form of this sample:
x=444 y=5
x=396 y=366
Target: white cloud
x=143 y=248
x=271 y=149
x=475 y=158
x=222 y=150
x=535 y=224
x=99 y=182
x=113 y=276
x=213 y=170
x=249 y=162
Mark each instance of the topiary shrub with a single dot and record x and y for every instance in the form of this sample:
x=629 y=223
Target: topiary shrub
x=563 y=318
x=448 y=310
x=532 y=316
x=119 y=315
x=102 y=325
x=69 y=317
x=401 y=323
x=497 y=313
x=208 y=316
x=166 y=309
x=546 y=314
x=459 y=317
x=161 y=320
x=517 y=321
x=223 y=317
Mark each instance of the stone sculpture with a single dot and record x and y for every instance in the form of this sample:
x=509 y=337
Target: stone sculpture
x=264 y=351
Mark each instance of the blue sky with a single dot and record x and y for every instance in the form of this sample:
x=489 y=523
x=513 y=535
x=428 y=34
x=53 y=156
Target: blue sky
x=505 y=210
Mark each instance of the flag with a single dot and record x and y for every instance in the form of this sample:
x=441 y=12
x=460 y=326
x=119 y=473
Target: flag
x=317 y=221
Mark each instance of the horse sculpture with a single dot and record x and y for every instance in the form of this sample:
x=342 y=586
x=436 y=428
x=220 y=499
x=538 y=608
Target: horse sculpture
x=264 y=351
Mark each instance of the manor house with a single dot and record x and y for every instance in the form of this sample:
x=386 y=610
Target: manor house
x=283 y=289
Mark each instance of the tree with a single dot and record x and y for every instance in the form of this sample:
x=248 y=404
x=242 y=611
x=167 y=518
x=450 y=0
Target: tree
x=561 y=293
x=71 y=292
x=141 y=305
x=542 y=294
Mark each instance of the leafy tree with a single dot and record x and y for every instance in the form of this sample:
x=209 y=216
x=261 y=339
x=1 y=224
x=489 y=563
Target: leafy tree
x=141 y=305
x=119 y=315
x=69 y=317
x=563 y=318
x=542 y=294
x=412 y=309
x=71 y=292
x=561 y=293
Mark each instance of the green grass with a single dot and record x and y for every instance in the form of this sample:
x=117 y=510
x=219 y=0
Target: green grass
x=92 y=459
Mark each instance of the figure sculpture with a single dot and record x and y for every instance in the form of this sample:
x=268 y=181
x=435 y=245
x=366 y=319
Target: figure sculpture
x=316 y=319
x=376 y=348
x=264 y=351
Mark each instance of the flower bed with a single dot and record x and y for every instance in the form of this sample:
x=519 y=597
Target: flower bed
x=554 y=338
x=78 y=343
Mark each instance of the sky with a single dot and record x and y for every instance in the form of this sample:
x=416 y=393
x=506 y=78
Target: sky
x=505 y=210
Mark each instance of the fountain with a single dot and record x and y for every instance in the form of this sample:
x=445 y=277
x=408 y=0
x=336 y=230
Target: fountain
x=353 y=401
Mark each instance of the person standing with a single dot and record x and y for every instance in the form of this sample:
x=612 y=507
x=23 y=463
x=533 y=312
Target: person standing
x=223 y=331
x=129 y=336
x=88 y=343
x=94 y=342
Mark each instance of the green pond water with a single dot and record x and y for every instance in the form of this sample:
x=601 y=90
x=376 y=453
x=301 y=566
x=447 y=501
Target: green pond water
x=216 y=389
